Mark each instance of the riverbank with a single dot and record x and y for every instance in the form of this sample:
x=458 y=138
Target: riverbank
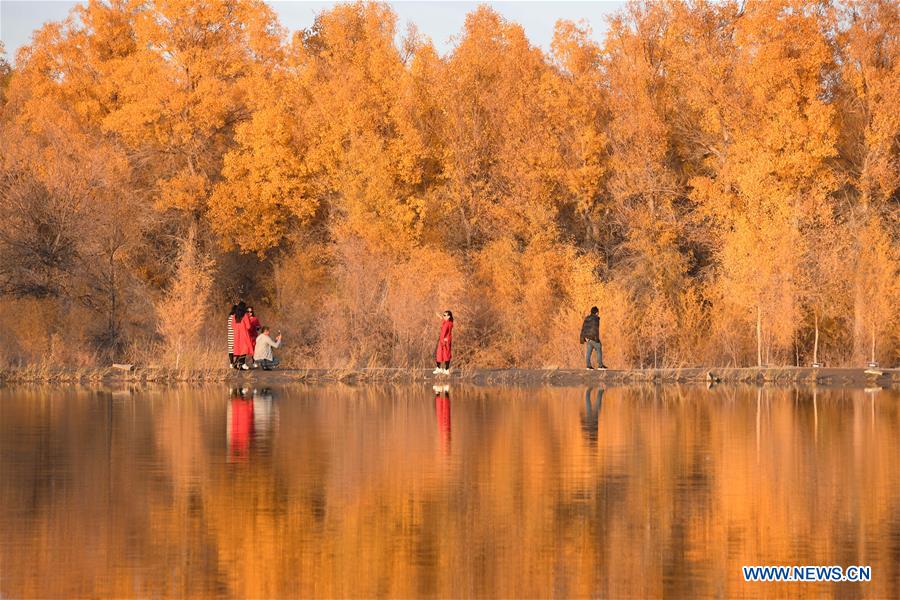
x=827 y=377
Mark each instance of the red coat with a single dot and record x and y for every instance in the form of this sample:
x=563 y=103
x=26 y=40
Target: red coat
x=254 y=332
x=444 y=342
x=242 y=343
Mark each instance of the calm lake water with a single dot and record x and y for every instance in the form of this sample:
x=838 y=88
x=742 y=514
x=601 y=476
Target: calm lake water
x=398 y=491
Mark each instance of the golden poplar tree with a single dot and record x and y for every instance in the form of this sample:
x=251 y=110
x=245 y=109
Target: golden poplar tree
x=650 y=256
x=870 y=170
x=768 y=174
x=721 y=178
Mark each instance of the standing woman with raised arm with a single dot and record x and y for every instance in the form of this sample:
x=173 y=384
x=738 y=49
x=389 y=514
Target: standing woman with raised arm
x=443 y=352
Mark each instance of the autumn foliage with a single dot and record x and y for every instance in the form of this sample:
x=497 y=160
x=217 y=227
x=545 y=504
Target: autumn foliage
x=720 y=178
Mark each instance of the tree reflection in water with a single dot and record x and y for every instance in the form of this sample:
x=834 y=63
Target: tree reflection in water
x=356 y=491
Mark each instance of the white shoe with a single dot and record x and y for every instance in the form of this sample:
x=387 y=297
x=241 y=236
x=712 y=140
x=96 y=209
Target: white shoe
x=437 y=371
x=245 y=367
x=446 y=371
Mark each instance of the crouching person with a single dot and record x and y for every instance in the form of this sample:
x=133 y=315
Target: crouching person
x=263 y=355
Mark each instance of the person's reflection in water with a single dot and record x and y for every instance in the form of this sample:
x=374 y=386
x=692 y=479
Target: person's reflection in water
x=265 y=420
x=590 y=418
x=240 y=425
x=263 y=412
x=442 y=413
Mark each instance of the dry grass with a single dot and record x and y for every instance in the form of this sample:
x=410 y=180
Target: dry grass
x=47 y=373
x=44 y=372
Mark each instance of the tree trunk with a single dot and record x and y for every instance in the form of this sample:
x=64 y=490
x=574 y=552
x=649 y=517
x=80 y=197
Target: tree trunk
x=465 y=225
x=816 y=342
x=112 y=329
x=758 y=336
x=873 y=345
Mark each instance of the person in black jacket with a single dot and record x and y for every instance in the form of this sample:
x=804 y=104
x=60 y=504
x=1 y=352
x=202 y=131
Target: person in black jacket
x=590 y=334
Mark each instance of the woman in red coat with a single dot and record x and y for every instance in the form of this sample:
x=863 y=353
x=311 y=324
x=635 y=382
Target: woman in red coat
x=445 y=341
x=242 y=344
x=254 y=328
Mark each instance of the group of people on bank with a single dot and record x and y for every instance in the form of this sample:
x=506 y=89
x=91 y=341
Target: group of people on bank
x=250 y=344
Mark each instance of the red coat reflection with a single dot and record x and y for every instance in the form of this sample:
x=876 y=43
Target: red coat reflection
x=442 y=412
x=240 y=428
